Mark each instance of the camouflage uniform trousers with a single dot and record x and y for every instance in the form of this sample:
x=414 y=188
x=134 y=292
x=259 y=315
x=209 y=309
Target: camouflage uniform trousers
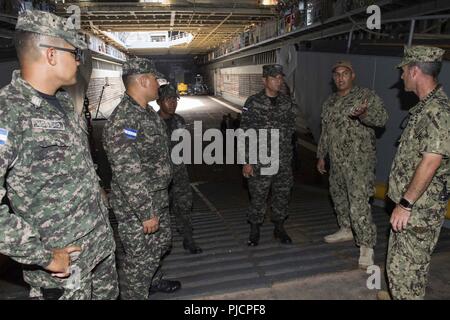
x=409 y=252
x=351 y=190
x=280 y=185
x=101 y=282
x=180 y=195
x=140 y=266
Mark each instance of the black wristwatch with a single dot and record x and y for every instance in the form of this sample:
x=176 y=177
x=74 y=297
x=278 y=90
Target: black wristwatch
x=405 y=204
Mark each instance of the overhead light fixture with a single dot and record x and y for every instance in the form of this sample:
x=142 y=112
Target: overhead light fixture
x=154 y=1
x=269 y=2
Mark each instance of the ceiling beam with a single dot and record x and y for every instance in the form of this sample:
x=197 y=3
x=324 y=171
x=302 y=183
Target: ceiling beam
x=210 y=15
x=167 y=21
x=109 y=17
x=114 y=7
x=322 y=30
x=166 y=24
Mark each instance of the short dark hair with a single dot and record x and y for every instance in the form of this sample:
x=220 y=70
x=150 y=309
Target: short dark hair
x=127 y=79
x=429 y=68
x=25 y=43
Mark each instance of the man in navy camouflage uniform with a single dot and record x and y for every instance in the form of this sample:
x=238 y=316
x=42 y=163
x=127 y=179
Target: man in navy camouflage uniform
x=349 y=119
x=420 y=176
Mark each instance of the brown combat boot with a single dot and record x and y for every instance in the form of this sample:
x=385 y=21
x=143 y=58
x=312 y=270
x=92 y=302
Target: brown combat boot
x=365 y=257
x=383 y=295
x=343 y=234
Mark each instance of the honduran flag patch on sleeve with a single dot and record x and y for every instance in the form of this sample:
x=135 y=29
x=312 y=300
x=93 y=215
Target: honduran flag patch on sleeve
x=3 y=136
x=130 y=133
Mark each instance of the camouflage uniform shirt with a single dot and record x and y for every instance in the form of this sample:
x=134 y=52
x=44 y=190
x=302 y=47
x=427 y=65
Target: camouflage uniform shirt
x=173 y=123
x=259 y=112
x=343 y=138
x=428 y=131
x=51 y=183
x=136 y=143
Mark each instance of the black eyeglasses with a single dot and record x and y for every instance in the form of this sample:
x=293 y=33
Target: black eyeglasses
x=78 y=53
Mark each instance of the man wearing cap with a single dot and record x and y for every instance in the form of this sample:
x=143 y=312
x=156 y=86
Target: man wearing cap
x=59 y=226
x=349 y=117
x=270 y=109
x=135 y=142
x=419 y=177
x=180 y=194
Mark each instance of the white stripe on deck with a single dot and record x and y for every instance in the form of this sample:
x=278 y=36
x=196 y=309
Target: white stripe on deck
x=226 y=105
x=307 y=145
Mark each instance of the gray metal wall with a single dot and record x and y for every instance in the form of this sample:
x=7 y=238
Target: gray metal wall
x=314 y=83
x=6 y=69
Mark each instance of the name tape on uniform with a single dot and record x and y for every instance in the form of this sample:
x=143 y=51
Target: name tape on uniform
x=130 y=133
x=3 y=136
x=48 y=124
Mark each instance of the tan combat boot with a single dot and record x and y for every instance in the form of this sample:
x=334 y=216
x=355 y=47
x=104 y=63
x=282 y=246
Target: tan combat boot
x=365 y=257
x=343 y=234
x=383 y=295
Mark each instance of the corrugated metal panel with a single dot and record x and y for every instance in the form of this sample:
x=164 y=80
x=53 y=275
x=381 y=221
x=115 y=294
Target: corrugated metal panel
x=229 y=265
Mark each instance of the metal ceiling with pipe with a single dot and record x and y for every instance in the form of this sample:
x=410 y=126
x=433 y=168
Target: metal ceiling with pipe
x=211 y=22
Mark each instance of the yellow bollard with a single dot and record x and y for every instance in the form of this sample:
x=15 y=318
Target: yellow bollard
x=448 y=211
x=380 y=191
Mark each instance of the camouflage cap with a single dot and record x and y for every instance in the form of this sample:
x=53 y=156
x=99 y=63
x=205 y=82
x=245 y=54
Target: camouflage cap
x=343 y=63
x=140 y=66
x=421 y=54
x=48 y=24
x=272 y=70
x=167 y=91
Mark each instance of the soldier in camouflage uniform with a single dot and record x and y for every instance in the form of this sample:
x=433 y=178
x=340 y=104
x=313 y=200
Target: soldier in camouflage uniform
x=348 y=138
x=270 y=109
x=135 y=142
x=419 y=177
x=60 y=225
x=180 y=193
